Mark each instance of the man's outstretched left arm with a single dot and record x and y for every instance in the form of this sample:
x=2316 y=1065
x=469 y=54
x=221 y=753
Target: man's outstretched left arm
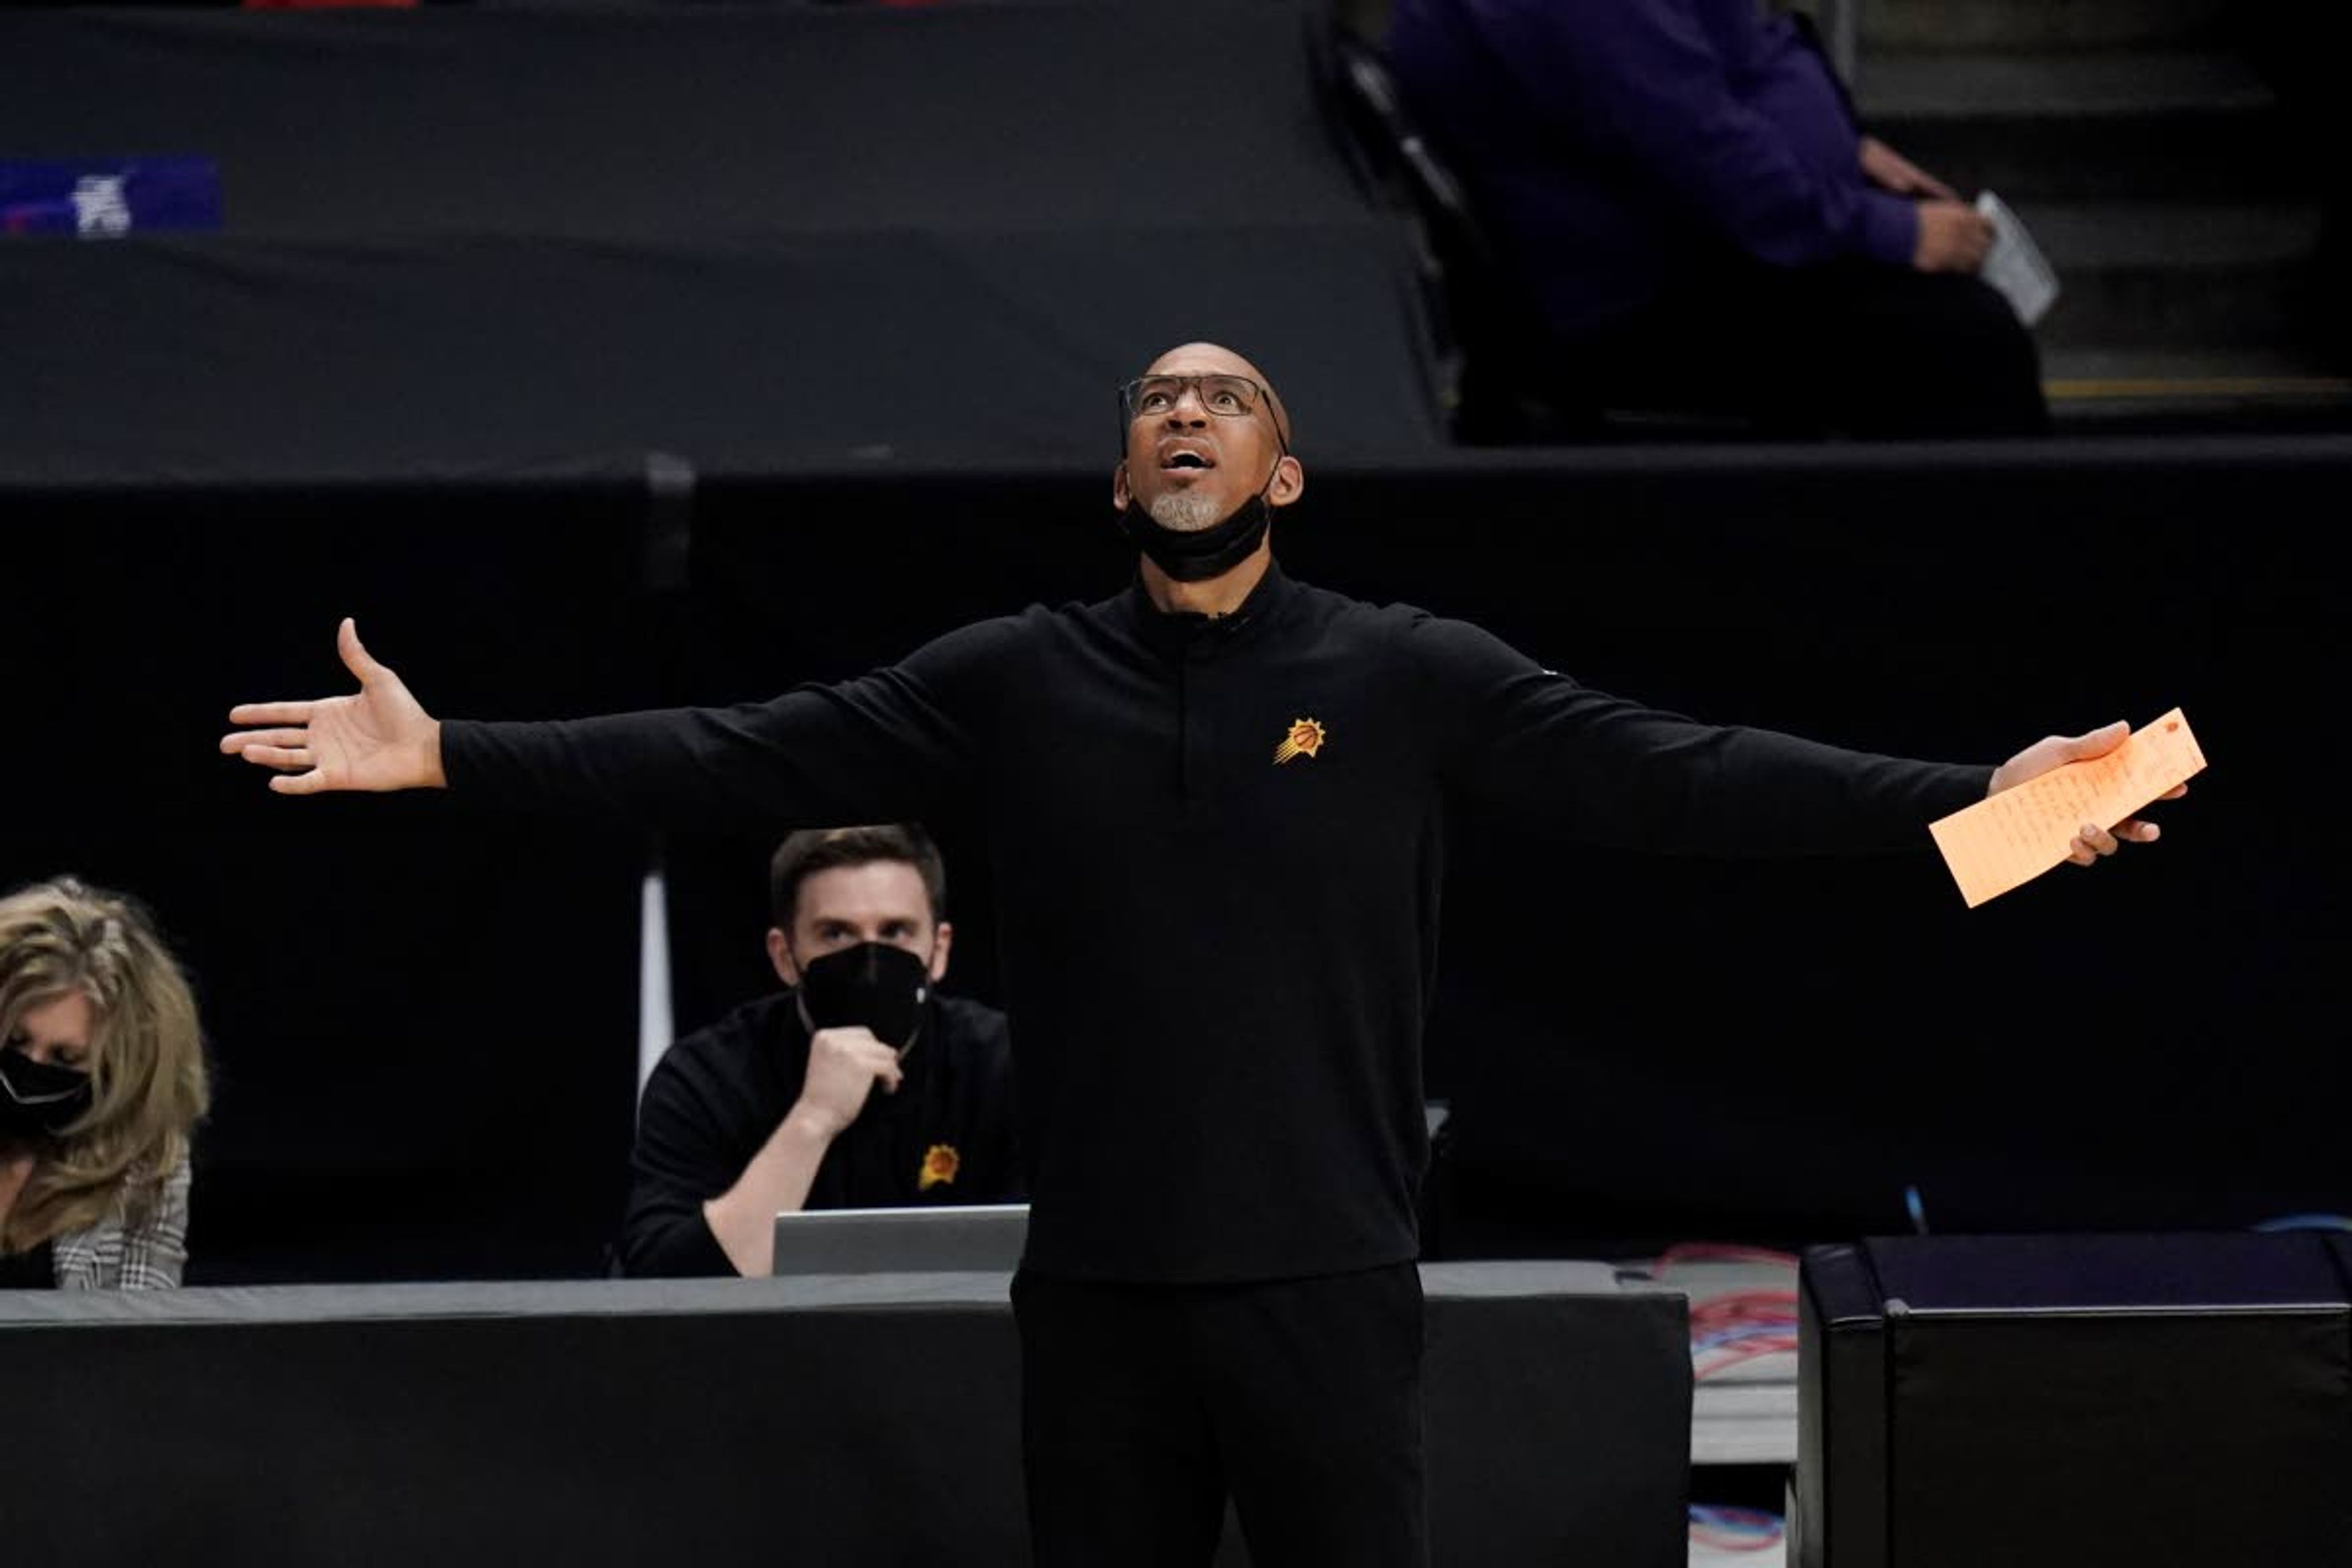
x=1527 y=740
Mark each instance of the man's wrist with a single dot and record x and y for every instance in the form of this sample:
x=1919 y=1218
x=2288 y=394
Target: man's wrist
x=813 y=1122
x=436 y=777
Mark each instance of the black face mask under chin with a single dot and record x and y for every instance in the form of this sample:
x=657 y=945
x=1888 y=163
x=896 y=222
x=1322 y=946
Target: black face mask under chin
x=1206 y=553
x=39 y=1100
x=872 y=986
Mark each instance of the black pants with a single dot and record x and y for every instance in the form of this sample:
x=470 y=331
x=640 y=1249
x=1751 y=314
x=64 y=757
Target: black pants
x=1144 y=1406
x=1850 y=349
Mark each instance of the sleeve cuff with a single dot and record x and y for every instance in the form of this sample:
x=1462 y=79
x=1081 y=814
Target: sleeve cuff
x=1889 y=227
x=681 y=1249
x=452 y=752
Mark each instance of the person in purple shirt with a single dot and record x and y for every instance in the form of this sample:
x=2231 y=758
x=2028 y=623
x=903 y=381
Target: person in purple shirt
x=1680 y=193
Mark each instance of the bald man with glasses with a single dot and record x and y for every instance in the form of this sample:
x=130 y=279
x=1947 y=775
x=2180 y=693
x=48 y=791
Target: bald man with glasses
x=1218 y=943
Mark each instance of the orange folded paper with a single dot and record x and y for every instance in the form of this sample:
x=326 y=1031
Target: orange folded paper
x=2008 y=839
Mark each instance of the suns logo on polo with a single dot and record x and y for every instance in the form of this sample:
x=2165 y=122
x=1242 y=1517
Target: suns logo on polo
x=1305 y=739
x=941 y=1163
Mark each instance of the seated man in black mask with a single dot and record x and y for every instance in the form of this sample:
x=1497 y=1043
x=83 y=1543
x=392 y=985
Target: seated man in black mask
x=861 y=1087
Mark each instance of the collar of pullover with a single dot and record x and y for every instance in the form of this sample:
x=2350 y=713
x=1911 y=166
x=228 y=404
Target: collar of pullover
x=1189 y=633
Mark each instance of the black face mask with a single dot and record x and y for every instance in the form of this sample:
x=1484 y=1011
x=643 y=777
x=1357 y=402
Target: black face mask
x=39 y=1099
x=872 y=986
x=1206 y=553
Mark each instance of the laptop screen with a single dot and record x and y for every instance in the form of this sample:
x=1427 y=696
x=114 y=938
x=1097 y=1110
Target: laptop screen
x=984 y=1237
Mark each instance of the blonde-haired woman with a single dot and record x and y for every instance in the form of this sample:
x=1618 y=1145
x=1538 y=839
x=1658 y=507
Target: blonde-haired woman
x=101 y=1082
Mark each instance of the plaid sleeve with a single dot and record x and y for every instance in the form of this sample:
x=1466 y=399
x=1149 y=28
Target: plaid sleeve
x=119 y=1256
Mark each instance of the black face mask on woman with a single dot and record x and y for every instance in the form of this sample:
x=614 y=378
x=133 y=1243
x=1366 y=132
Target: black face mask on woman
x=872 y=986
x=39 y=1099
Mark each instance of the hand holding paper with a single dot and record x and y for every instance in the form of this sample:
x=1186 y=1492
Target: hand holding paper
x=2047 y=795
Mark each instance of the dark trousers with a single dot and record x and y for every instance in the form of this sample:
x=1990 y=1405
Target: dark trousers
x=1850 y=349
x=1145 y=1406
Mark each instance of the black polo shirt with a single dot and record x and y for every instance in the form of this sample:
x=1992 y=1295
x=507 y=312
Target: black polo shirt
x=947 y=1136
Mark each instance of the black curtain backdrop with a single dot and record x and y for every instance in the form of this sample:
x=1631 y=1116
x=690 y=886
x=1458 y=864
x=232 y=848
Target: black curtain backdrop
x=1634 y=1047
x=1667 y=1047
x=423 y=1022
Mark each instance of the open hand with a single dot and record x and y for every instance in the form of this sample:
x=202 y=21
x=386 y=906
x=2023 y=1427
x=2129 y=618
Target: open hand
x=380 y=738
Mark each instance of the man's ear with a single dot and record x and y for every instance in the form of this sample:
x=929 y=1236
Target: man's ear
x=941 y=940
x=780 y=953
x=1120 y=497
x=1289 y=482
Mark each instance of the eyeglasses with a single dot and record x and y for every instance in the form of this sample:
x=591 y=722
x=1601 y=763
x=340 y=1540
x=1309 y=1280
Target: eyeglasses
x=1227 y=397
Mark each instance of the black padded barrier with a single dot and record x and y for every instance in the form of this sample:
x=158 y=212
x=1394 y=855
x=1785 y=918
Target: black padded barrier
x=835 y=1423
x=2050 y=1401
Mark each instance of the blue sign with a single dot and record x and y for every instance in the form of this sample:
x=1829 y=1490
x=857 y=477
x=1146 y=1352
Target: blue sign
x=106 y=198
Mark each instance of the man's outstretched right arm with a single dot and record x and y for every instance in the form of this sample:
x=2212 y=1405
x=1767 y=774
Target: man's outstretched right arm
x=902 y=741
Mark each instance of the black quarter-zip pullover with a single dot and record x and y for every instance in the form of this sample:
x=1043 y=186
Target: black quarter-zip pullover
x=1218 y=950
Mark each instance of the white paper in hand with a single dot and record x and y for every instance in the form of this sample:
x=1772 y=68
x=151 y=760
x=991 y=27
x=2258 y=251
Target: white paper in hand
x=2015 y=265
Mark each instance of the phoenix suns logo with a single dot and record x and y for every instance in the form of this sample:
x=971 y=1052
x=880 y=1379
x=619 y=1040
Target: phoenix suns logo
x=1305 y=740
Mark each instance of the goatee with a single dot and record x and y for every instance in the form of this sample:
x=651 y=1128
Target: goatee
x=1186 y=511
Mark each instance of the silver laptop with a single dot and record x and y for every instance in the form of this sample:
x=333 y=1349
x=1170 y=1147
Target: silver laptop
x=983 y=1237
